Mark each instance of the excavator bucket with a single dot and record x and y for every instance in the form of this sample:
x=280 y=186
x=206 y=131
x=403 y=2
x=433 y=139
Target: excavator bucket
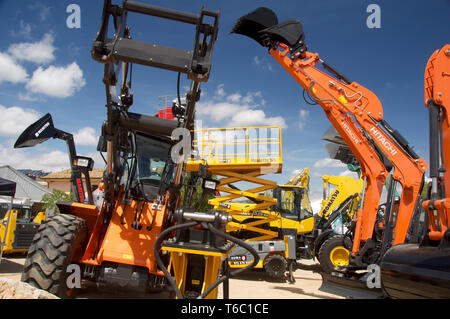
x=412 y=271
x=262 y=26
x=255 y=21
x=38 y=132
x=333 y=136
x=341 y=153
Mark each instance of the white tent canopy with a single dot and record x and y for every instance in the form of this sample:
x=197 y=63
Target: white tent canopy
x=26 y=188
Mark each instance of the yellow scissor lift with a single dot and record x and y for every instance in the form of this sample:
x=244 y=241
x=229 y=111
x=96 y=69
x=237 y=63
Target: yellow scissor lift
x=244 y=154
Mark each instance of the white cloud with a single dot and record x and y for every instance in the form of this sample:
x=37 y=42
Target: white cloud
x=56 y=81
x=86 y=136
x=236 y=110
x=328 y=162
x=10 y=71
x=41 y=9
x=16 y=119
x=40 y=52
x=23 y=30
x=261 y=64
x=234 y=98
x=302 y=118
x=220 y=91
x=49 y=161
x=29 y=97
x=349 y=174
x=256 y=118
x=316 y=205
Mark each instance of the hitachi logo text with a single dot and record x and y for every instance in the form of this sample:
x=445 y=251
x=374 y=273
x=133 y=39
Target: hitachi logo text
x=350 y=132
x=379 y=136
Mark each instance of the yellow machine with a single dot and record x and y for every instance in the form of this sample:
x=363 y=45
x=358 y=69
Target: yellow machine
x=242 y=155
x=276 y=220
x=338 y=207
x=17 y=227
x=287 y=231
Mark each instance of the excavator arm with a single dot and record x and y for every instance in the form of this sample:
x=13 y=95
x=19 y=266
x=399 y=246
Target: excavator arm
x=437 y=99
x=357 y=115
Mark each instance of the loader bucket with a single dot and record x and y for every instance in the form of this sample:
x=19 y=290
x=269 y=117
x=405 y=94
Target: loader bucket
x=38 y=132
x=255 y=21
x=412 y=271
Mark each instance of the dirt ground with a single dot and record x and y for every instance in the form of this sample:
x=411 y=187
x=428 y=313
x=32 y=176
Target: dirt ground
x=252 y=285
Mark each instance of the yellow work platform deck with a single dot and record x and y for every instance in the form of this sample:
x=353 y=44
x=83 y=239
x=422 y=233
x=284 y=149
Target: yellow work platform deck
x=238 y=149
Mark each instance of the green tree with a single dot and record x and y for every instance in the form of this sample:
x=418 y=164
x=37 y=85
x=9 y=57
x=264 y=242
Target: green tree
x=50 y=200
x=196 y=195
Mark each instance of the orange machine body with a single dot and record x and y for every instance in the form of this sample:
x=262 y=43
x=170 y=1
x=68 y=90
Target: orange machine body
x=118 y=241
x=437 y=89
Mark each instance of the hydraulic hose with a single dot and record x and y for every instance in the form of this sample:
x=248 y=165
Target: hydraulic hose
x=216 y=232
x=159 y=261
x=233 y=273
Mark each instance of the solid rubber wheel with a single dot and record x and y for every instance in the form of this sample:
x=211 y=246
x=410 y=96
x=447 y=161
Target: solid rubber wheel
x=333 y=254
x=275 y=266
x=59 y=241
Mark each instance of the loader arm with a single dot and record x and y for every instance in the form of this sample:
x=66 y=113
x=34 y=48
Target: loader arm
x=357 y=115
x=346 y=187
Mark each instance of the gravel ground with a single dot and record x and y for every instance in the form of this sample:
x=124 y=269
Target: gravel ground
x=252 y=285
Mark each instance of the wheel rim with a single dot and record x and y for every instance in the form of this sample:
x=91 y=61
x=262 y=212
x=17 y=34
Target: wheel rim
x=339 y=256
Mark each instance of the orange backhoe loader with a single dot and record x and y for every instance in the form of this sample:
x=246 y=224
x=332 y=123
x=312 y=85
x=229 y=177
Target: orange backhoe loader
x=357 y=115
x=141 y=237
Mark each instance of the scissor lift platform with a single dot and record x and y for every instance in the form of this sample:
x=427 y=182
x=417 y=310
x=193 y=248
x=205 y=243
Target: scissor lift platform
x=240 y=154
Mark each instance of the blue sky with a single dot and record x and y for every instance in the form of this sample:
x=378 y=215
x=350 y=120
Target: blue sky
x=46 y=67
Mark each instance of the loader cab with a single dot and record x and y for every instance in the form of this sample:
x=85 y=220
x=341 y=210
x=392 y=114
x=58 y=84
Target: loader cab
x=17 y=227
x=151 y=166
x=290 y=202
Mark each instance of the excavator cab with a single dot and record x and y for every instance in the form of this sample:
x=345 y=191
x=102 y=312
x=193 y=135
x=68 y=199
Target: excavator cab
x=289 y=202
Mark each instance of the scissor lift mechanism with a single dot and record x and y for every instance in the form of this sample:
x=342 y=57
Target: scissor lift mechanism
x=241 y=154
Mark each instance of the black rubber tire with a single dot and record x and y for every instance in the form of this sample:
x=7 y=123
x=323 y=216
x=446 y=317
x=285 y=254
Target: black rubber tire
x=59 y=240
x=325 y=252
x=275 y=266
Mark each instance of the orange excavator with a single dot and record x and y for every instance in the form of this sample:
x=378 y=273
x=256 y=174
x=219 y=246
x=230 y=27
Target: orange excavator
x=357 y=114
x=423 y=270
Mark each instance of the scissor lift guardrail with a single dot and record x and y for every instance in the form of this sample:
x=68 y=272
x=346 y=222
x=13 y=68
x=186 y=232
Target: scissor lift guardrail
x=241 y=154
